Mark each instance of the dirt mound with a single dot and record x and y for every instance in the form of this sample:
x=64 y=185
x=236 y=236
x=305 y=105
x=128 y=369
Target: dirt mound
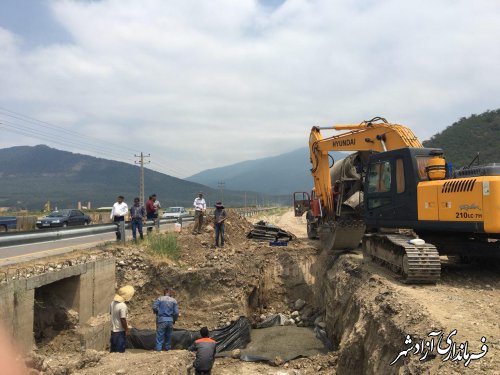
x=213 y=285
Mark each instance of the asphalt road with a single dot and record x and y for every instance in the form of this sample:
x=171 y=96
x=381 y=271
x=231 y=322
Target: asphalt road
x=23 y=253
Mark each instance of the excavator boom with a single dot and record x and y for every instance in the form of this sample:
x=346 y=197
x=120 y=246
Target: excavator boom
x=376 y=135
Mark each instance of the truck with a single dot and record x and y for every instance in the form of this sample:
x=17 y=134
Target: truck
x=401 y=201
x=7 y=223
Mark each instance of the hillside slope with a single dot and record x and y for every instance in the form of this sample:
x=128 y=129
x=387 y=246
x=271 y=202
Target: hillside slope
x=282 y=174
x=33 y=175
x=465 y=138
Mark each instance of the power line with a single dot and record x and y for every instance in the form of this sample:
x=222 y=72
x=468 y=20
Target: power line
x=82 y=141
x=57 y=128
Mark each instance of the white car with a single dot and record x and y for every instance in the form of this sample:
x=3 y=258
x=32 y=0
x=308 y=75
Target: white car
x=175 y=213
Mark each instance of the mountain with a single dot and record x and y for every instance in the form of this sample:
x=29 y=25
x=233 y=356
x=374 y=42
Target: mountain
x=282 y=174
x=30 y=176
x=465 y=138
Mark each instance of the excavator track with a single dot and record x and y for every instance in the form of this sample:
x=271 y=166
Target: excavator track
x=418 y=264
x=343 y=234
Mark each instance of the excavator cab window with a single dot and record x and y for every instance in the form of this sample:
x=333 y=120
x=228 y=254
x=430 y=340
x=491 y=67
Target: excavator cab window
x=379 y=181
x=301 y=203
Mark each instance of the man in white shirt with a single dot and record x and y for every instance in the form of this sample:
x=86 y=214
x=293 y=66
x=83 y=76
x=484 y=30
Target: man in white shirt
x=118 y=213
x=119 y=314
x=199 y=210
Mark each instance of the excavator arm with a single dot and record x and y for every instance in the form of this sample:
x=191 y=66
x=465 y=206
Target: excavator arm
x=375 y=135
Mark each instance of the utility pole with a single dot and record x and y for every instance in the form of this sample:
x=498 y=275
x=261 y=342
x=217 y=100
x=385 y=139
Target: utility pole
x=141 y=163
x=221 y=185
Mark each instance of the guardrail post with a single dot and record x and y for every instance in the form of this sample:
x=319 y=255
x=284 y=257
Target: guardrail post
x=121 y=229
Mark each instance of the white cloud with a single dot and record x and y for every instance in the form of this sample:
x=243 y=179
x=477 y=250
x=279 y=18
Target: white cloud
x=204 y=84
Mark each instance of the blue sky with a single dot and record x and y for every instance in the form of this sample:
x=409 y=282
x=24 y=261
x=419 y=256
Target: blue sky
x=204 y=84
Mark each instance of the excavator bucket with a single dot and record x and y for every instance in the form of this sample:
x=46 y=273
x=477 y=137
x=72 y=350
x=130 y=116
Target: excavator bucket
x=343 y=234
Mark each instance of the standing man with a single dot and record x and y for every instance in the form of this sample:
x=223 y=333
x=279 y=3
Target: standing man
x=167 y=312
x=157 y=206
x=119 y=314
x=137 y=216
x=199 y=210
x=118 y=213
x=219 y=216
x=205 y=353
x=152 y=207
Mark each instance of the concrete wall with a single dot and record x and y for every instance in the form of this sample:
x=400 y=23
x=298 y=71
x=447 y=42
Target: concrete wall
x=89 y=293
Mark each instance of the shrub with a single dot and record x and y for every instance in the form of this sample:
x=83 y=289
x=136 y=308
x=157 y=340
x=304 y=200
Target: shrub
x=163 y=245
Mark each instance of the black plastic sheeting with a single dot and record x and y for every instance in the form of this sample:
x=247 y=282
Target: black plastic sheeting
x=234 y=336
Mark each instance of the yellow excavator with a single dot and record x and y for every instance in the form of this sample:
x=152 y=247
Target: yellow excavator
x=400 y=200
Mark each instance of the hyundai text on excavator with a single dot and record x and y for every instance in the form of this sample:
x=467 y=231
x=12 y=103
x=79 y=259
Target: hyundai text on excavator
x=401 y=200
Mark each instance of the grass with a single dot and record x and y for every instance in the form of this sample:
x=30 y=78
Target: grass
x=163 y=245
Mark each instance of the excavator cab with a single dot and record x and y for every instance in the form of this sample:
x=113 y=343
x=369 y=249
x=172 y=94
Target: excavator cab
x=301 y=203
x=390 y=189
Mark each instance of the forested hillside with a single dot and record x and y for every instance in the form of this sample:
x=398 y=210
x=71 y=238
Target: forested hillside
x=30 y=176
x=465 y=138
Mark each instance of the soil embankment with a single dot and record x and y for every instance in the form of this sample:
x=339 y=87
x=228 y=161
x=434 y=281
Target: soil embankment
x=363 y=309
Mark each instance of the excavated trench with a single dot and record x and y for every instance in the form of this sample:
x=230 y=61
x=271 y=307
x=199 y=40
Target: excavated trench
x=344 y=303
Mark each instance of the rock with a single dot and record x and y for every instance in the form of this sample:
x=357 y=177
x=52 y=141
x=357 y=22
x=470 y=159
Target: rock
x=121 y=372
x=299 y=304
x=262 y=317
x=322 y=325
x=295 y=314
x=209 y=229
x=34 y=361
x=278 y=361
x=297 y=319
x=236 y=353
x=318 y=320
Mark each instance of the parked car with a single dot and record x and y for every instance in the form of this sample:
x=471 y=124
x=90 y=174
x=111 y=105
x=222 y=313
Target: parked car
x=7 y=223
x=175 y=213
x=63 y=218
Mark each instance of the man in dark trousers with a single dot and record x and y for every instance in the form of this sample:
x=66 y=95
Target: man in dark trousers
x=219 y=216
x=205 y=354
x=167 y=312
x=137 y=216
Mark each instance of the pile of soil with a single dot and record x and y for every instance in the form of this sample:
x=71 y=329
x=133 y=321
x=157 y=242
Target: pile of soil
x=212 y=285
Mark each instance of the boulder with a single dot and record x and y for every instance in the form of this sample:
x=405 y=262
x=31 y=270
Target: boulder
x=299 y=304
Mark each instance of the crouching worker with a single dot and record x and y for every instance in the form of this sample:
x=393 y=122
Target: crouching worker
x=205 y=354
x=167 y=312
